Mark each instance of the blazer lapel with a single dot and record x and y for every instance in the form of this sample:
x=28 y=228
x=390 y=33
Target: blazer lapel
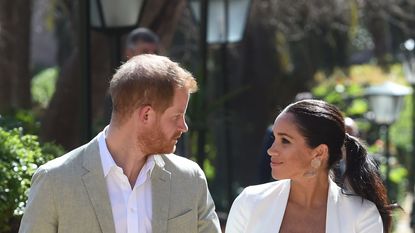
x=333 y=211
x=96 y=187
x=280 y=202
x=160 y=189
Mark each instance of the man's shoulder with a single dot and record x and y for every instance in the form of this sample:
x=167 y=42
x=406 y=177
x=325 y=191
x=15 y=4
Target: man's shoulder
x=177 y=163
x=68 y=160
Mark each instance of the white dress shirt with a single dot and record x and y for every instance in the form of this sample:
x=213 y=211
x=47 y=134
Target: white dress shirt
x=131 y=208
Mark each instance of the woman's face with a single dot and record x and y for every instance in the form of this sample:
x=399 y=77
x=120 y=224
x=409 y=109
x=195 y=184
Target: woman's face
x=290 y=155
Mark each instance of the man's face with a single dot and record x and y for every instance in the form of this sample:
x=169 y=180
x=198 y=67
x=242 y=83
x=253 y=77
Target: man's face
x=169 y=126
x=142 y=48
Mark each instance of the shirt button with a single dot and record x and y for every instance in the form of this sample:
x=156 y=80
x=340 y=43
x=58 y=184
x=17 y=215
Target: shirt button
x=132 y=209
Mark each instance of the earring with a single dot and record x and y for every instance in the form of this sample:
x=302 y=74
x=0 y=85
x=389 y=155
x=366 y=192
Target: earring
x=315 y=165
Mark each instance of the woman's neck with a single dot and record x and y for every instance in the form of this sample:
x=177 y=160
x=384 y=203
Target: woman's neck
x=310 y=192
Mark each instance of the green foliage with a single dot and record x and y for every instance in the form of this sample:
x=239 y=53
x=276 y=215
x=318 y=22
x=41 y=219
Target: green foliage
x=346 y=89
x=21 y=154
x=20 y=119
x=338 y=89
x=43 y=86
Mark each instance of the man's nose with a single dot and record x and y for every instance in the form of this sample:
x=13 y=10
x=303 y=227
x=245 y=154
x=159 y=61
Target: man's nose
x=183 y=126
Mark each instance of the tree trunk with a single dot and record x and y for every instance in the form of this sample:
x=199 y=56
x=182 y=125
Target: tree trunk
x=6 y=41
x=21 y=97
x=14 y=47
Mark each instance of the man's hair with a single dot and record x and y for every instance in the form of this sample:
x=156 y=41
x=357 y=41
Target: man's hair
x=147 y=79
x=143 y=35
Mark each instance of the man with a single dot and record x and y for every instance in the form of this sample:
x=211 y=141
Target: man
x=144 y=41
x=126 y=179
x=141 y=41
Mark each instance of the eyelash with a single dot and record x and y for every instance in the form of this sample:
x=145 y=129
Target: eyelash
x=285 y=141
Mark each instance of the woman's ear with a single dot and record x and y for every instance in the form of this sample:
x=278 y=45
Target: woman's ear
x=321 y=152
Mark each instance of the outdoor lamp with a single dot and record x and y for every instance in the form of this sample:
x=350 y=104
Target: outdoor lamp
x=386 y=101
x=235 y=14
x=110 y=15
x=221 y=22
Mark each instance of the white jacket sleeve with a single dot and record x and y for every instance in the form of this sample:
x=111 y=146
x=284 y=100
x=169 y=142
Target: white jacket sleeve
x=238 y=217
x=370 y=220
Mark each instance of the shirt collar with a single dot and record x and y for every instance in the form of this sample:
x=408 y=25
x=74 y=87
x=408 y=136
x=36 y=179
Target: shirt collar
x=107 y=160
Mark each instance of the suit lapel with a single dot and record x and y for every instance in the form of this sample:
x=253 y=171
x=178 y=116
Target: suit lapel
x=332 y=213
x=281 y=201
x=96 y=187
x=160 y=189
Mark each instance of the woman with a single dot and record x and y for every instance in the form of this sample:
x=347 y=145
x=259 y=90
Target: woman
x=309 y=137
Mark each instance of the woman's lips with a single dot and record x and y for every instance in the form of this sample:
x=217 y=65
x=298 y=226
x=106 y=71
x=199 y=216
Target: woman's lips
x=275 y=163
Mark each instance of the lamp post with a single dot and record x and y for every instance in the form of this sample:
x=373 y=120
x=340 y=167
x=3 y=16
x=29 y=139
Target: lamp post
x=409 y=70
x=386 y=102
x=222 y=22
x=115 y=18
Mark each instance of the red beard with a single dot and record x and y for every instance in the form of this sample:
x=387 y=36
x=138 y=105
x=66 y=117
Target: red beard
x=155 y=142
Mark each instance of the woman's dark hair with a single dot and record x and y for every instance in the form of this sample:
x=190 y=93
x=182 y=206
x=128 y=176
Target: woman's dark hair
x=322 y=123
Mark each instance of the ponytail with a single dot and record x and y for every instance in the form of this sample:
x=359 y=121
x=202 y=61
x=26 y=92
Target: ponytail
x=362 y=175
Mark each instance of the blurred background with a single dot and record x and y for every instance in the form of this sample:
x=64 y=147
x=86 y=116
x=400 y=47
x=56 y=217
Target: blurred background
x=251 y=58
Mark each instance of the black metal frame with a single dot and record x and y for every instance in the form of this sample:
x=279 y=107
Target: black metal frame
x=116 y=30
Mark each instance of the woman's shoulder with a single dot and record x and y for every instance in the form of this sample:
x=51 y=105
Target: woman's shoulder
x=263 y=190
x=359 y=211
x=348 y=198
x=356 y=202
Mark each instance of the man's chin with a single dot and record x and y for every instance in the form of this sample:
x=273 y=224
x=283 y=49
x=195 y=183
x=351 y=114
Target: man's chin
x=166 y=150
x=172 y=150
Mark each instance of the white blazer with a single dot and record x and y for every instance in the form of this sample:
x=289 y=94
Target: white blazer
x=260 y=209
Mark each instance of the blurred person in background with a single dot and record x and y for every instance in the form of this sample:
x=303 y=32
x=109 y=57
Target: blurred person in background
x=141 y=41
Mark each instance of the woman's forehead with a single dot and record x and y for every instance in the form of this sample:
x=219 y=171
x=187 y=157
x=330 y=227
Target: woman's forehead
x=284 y=121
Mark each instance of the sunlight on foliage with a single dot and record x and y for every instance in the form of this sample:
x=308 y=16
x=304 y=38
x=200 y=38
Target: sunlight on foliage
x=43 y=86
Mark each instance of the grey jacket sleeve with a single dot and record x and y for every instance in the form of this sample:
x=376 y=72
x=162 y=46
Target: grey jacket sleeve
x=40 y=214
x=208 y=221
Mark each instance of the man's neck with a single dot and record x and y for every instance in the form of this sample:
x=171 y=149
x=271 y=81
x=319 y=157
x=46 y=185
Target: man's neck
x=125 y=153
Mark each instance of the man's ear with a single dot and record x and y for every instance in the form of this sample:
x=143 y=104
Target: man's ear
x=145 y=113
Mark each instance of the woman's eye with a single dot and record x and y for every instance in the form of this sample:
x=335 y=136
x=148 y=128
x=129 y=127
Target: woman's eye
x=284 y=141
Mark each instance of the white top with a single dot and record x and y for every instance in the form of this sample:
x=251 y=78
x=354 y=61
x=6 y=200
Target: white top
x=131 y=208
x=260 y=209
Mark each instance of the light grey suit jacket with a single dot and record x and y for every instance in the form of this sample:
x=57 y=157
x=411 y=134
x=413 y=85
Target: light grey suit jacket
x=69 y=194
